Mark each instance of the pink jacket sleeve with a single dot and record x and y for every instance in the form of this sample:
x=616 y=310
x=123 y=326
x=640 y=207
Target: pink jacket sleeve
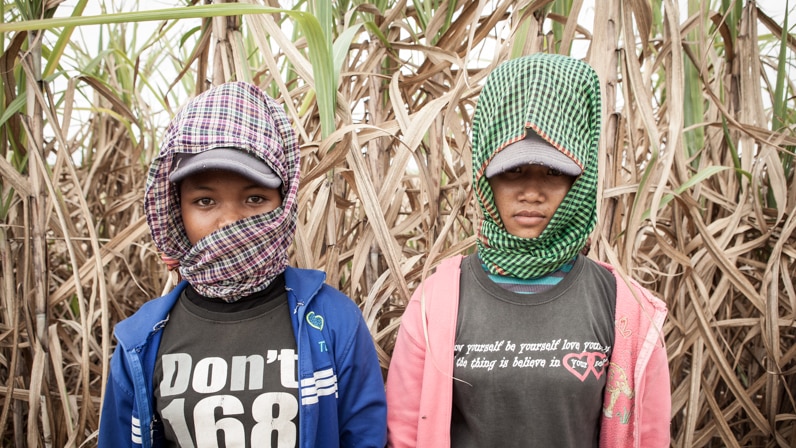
x=420 y=377
x=639 y=348
x=656 y=402
x=404 y=380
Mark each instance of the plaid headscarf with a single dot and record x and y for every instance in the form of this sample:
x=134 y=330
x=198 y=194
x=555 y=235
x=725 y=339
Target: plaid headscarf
x=245 y=256
x=558 y=97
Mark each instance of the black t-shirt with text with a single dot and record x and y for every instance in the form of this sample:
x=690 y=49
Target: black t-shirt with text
x=226 y=374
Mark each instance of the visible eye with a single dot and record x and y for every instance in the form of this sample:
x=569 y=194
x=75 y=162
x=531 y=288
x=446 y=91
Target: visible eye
x=203 y=202
x=512 y=173
x=256 y=200
x=554 y=172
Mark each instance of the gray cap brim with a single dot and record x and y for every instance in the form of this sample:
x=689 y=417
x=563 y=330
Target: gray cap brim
x=532 y=150
x=227 y=159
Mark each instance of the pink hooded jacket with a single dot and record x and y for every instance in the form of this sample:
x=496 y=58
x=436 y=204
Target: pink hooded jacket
x=637 y=402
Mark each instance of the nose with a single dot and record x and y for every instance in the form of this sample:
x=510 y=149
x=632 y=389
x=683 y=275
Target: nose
x=229 y=215
x=532 y=188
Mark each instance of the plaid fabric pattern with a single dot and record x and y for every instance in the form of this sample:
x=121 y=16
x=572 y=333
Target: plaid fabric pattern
x=243 y=257
x=559 y=98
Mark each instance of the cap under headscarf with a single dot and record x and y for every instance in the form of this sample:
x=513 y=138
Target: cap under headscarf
x=532 y=150
x=245 y=256
x=226 y=159
x=557 y=98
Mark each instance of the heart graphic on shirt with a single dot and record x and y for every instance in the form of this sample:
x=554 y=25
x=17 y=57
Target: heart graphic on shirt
x=581 y=364
x=622 y=327
x=600 y=363
x=315 y=320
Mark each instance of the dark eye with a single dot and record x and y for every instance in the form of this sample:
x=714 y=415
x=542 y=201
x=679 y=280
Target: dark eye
x=554 y=172
x=204 y=202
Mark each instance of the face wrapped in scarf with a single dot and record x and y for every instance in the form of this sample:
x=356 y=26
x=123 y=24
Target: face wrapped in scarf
x=558 y=98
x=245 y=256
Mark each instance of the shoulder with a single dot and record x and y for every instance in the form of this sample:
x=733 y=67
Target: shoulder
x=309 y=287
x=436 y=298
x=600 y=272
x=631 y=294
x=333 y=299
x=294 y=275
x=136 y=328
x=446 y=275
x=449 y=266
x=305 y=283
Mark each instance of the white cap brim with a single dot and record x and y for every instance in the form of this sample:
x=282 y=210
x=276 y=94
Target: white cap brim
x=532 y=150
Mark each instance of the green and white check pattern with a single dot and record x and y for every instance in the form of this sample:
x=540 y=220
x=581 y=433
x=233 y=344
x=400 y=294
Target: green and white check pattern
x=559 y=98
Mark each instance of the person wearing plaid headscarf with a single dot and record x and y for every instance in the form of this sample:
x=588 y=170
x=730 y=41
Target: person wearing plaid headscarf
x=246 y=350
x=528 y=342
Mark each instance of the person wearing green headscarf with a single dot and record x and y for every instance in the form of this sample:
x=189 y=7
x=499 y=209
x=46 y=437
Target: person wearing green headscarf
x=528 y=342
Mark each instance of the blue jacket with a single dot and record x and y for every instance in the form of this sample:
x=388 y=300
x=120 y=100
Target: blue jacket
x=341 y=389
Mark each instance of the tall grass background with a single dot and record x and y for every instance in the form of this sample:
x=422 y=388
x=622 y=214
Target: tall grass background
x=697 y=195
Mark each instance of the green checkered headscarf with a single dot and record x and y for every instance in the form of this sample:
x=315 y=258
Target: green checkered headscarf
x=558 y=97
x=245 y=256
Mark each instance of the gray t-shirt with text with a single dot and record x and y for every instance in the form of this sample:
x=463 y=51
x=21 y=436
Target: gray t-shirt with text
x=530 y=368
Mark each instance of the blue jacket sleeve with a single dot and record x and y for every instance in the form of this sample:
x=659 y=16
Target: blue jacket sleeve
x=362 y=406
x=116 y=421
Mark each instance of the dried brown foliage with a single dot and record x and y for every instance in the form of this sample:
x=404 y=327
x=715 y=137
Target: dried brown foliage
x=697 y=202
